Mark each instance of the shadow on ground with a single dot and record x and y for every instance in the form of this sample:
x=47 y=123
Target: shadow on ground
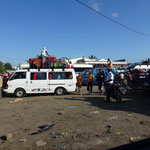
x=132 y=103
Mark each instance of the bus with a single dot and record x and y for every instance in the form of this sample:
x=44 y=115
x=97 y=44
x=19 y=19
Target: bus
x=80 y=68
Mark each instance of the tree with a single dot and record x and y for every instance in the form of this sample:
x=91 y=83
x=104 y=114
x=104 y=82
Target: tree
x=8 y=66
x=92 y=57
x=2 y=69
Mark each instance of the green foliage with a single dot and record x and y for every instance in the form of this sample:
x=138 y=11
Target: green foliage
x=8 y=66
x=5 y=67
x=2 y=68
x=92 y=57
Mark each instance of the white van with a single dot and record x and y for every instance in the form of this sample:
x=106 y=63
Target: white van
x=30 y=81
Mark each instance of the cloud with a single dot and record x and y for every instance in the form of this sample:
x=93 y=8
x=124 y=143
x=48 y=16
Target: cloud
x=95 y=5
x=114 y=14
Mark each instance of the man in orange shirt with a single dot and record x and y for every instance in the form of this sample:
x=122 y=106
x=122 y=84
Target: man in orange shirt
x=79 y=83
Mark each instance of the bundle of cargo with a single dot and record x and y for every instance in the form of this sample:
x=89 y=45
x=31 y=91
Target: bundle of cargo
x=51 y=58
x=50 y=62
x=55 y=64
x=35 y=62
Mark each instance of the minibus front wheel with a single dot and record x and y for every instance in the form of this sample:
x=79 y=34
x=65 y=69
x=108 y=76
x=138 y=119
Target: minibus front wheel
x=60 y=91
x=20 y=92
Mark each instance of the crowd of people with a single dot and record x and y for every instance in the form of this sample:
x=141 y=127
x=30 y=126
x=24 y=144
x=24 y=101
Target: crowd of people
x=101 y=80
x=132 y=81
x=125 y=80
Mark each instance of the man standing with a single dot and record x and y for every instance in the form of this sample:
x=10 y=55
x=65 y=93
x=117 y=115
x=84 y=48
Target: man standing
x=100 y=80
x=109 y=83
x=1 y=84
x=44 y=54
x=90 y=79
x=79 y=83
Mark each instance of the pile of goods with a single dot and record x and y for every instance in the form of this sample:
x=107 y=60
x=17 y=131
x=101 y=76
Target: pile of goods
x=35 y=62
x=50 y=62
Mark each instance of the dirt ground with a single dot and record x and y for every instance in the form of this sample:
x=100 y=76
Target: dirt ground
x=79 y=122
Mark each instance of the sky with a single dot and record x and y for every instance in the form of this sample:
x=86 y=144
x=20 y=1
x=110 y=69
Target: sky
x=68 y=29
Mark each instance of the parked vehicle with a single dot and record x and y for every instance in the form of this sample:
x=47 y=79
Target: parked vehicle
x=34 y=81
x=137 y=79
x=115 y=92
x=138 y=66
x=95 y=72
x=146 y=86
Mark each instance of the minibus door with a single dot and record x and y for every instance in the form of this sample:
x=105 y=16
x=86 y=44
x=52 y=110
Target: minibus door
x=56 y=80
x=38 y=82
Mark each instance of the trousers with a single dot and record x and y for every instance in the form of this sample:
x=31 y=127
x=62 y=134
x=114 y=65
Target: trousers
x=90 y=87
x=0 y=92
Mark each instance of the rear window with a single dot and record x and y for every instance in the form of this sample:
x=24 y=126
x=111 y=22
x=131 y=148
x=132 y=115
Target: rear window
x=38 y=76
x=60 y=75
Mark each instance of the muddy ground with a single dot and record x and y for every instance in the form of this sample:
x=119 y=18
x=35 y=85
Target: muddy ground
x=79 y=122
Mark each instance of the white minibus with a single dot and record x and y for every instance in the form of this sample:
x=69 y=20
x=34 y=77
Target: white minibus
x=32 y=81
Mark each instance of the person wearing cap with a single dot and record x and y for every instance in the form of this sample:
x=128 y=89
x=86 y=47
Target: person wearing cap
x=44 y=54
x=109 y=83
x=1 y=84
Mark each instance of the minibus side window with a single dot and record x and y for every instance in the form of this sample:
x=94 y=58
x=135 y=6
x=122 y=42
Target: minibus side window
x=55 y=75
x=69 y=75
x=60 y=75
x=38 y=76
x=19 y=75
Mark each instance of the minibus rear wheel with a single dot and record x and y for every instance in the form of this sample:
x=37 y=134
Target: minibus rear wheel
x=20 y=92
x=60 y=91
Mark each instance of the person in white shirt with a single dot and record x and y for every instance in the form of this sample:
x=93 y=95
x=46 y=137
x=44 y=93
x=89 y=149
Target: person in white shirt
x=109 y=83
x=44 y=54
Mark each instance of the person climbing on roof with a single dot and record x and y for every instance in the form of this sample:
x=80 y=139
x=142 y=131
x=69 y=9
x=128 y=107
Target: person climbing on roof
x=109 y=63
